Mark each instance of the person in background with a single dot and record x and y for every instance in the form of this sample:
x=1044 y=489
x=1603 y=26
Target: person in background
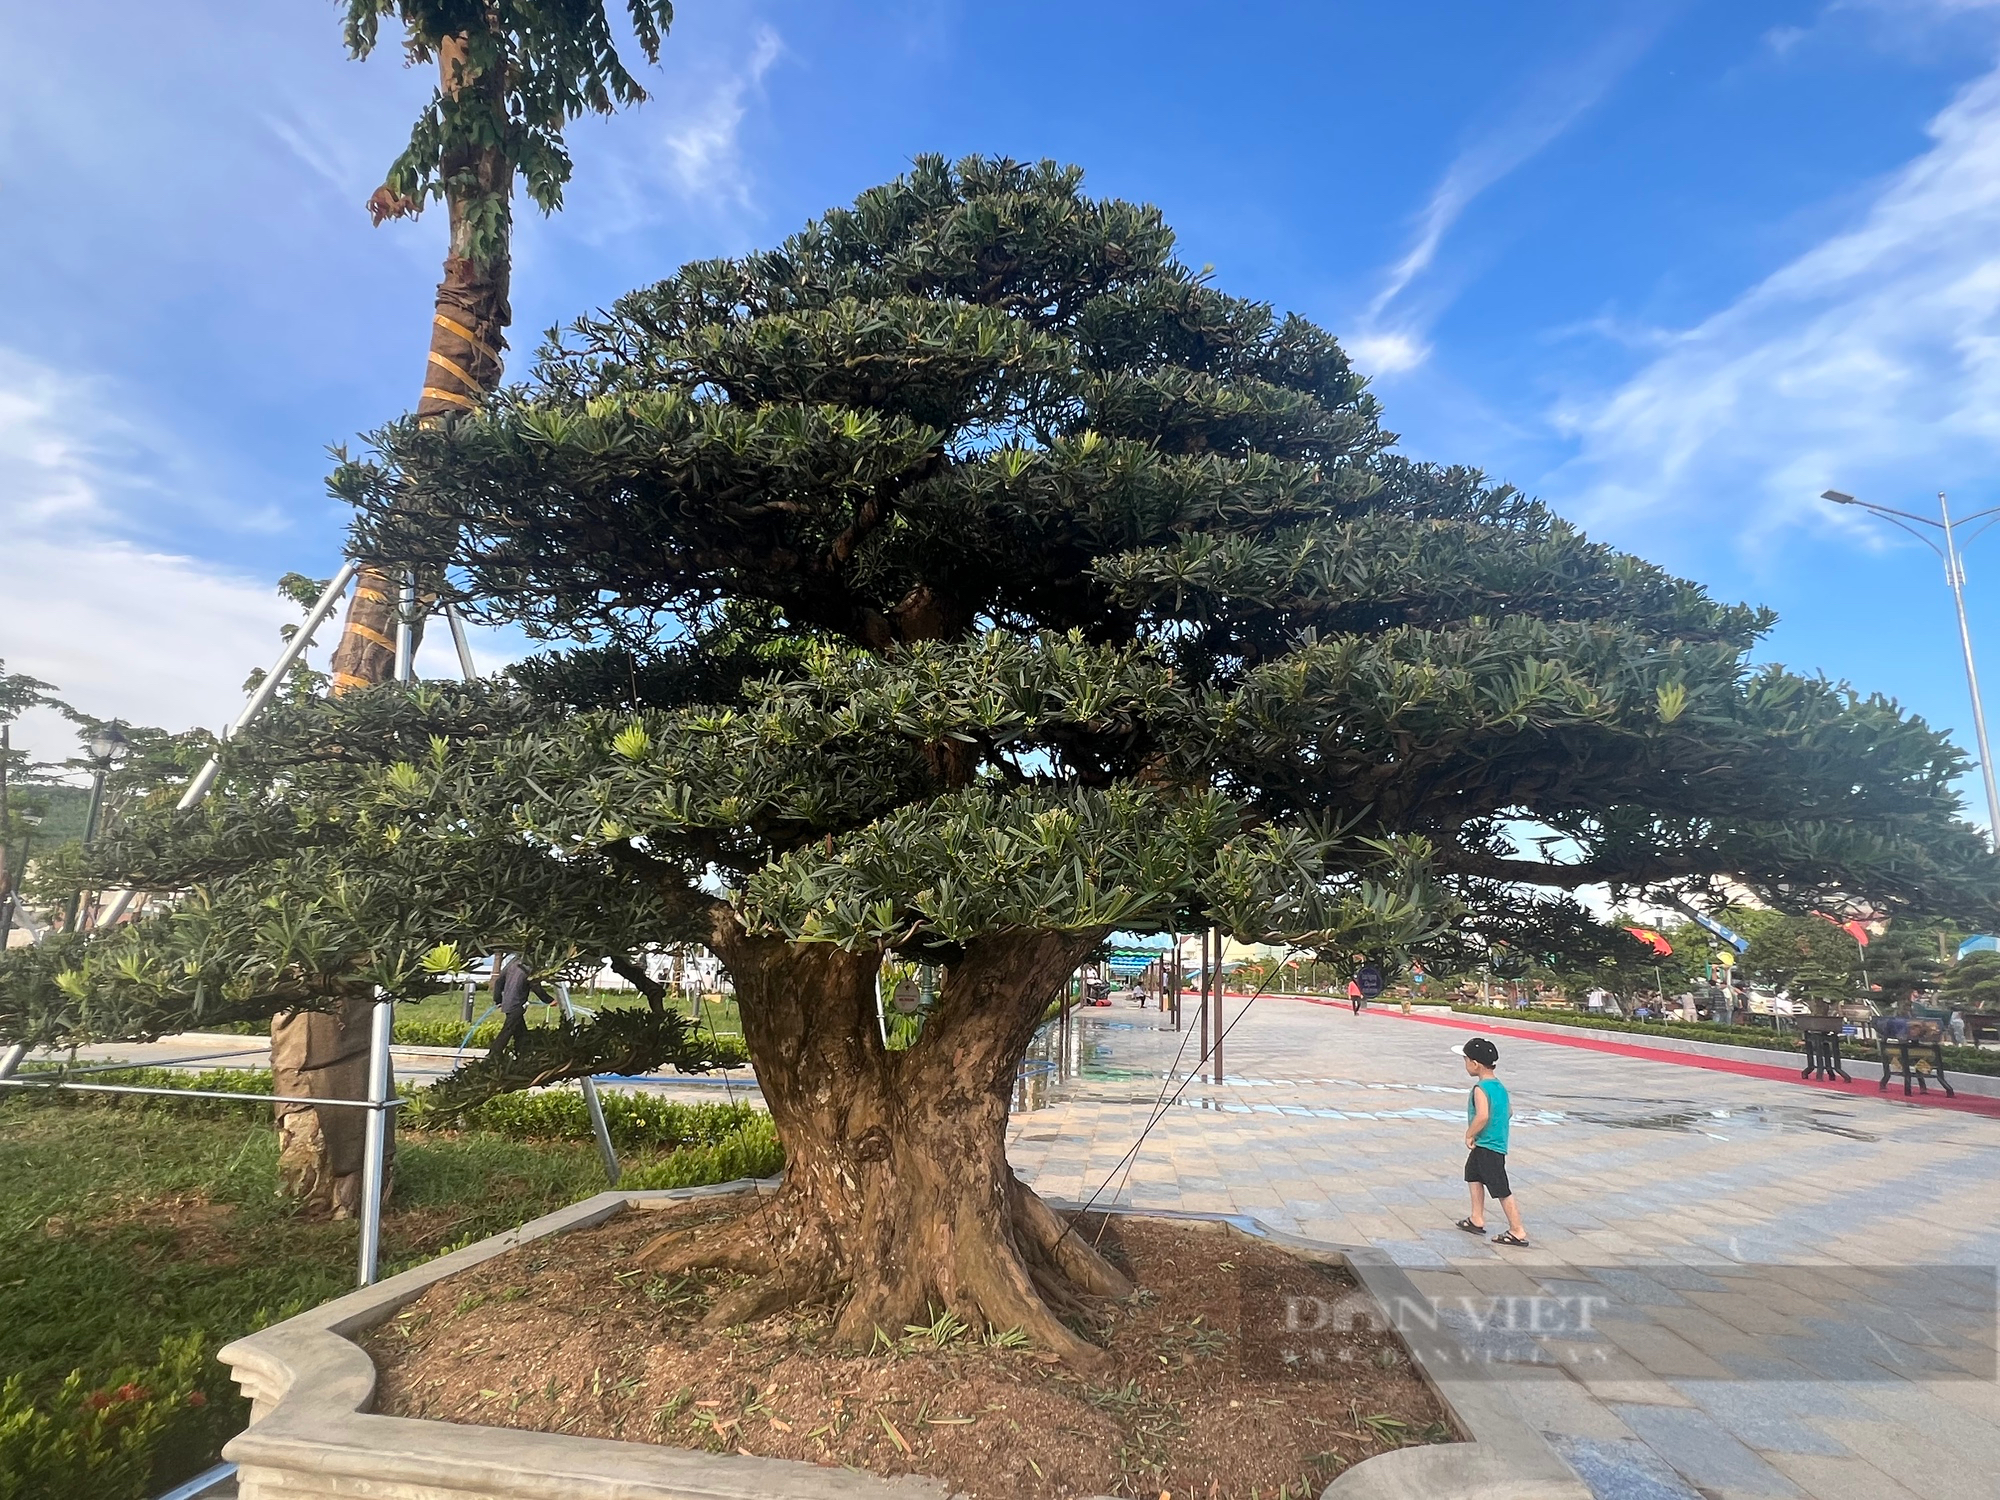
x=512 y=984
x=1958 y=1028
x=1354 y=995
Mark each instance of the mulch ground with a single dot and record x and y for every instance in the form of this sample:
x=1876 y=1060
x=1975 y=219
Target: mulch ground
x=1236 y=1372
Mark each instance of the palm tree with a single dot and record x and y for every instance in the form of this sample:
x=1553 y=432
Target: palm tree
x=511 y=75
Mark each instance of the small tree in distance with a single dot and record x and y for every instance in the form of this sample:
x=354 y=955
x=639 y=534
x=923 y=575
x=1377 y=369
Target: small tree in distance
x=962 y=581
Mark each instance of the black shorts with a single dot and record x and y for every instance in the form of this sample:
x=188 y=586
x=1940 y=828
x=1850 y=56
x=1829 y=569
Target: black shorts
x=1489 y=1169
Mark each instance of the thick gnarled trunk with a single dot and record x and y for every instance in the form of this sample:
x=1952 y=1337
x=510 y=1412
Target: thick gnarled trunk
x=898 y=1199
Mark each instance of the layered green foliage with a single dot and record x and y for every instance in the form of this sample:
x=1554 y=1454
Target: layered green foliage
x=967 y=565
x=1973 y=983
x=522 y=73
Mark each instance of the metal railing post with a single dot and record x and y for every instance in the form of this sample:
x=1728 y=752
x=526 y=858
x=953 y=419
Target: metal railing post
x=375 y=1156
x=591 y=1102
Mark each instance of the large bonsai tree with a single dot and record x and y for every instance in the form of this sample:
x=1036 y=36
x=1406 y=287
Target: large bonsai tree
x=961 y=581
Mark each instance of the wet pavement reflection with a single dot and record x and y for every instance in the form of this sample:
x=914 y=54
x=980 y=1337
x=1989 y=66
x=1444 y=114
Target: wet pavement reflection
x=1133 y=1056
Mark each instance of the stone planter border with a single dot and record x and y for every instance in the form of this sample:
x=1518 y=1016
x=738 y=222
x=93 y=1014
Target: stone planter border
x=312 y=1437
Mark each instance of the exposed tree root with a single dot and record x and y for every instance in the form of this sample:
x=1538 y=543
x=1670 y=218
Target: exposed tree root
x=706 y=1247
x=1048 y=1239
x=1014 y=1270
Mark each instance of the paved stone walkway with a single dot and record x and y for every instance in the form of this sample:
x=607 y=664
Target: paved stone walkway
x=1788 y=1292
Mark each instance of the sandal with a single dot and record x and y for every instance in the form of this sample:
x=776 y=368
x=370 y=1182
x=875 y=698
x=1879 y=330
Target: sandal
x=1508 y=1237
x=1471 y=1228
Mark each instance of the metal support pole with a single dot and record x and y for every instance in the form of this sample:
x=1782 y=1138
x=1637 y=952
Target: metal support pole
x=471 y=990
x=1954 y=570
x=1218 y=1005
x=294 y=648
x=465 y=667
x=591 y=1102
x=1204 y=995
x=375 y=1153
x=406 y=616
x=11 y=1059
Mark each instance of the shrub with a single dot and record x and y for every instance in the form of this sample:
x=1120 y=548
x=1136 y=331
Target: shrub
x=634 y=1120
x=418 y=1031
x=1956 y=1059
x=123 y=1436
x=751 y=1151
x=215 y=1080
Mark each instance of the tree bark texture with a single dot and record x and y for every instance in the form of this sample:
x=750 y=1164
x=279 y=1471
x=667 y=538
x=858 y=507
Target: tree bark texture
x=323 y=1056
x=469 y=318
x=898 y=1200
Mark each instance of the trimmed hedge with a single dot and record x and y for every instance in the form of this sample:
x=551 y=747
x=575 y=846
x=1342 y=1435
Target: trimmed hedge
x=634 y=1121
x=417 y=1032
x=1956 y=1059
x=750 y=1151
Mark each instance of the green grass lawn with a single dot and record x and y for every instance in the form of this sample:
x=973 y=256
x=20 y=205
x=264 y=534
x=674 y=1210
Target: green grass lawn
x=134 y=1241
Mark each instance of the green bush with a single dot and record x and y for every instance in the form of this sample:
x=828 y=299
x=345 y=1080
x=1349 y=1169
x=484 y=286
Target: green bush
x=214 y=1080
x=418 y=1031
x=751 y=1151
x=1956 y=1059
x=136 y=1430
x=635 y=1121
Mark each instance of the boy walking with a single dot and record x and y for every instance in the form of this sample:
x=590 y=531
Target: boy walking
x=1488 y=1113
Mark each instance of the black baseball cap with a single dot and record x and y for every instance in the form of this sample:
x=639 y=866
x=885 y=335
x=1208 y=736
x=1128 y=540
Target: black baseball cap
x=1482 y=1051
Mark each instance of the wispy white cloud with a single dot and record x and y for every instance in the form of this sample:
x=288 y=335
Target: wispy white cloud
x=704 y=152
x=122 y=627
x=683 y=154
x=1390 y=334
x=325 y=151
x=1870 y=364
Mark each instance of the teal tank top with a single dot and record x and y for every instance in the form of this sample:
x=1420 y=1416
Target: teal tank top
x=1499 y=1114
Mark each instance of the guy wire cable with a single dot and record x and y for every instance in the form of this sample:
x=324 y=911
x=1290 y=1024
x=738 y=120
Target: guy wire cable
x=1161 y=1106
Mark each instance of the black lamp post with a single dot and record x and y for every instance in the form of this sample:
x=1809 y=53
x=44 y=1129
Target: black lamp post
x=104 y=745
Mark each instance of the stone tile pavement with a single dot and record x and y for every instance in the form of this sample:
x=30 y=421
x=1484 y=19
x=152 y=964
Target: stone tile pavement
x=1762 y=1290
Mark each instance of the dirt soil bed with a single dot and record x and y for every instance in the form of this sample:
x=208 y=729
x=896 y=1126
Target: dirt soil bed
x=1207 y=1393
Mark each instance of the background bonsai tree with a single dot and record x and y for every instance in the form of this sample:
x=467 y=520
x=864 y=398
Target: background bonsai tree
x=1807 y=955
x=1973 y=983
x=961 y=581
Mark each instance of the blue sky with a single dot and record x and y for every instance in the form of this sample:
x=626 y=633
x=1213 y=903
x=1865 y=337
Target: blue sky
x=1674 y=267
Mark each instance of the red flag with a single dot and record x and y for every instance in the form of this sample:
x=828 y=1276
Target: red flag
x=1652 y=940
x=1853 y=929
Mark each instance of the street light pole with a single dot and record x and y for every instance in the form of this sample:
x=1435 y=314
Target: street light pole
x=103 y=746
x=1954 y=575
x=1954 y=567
